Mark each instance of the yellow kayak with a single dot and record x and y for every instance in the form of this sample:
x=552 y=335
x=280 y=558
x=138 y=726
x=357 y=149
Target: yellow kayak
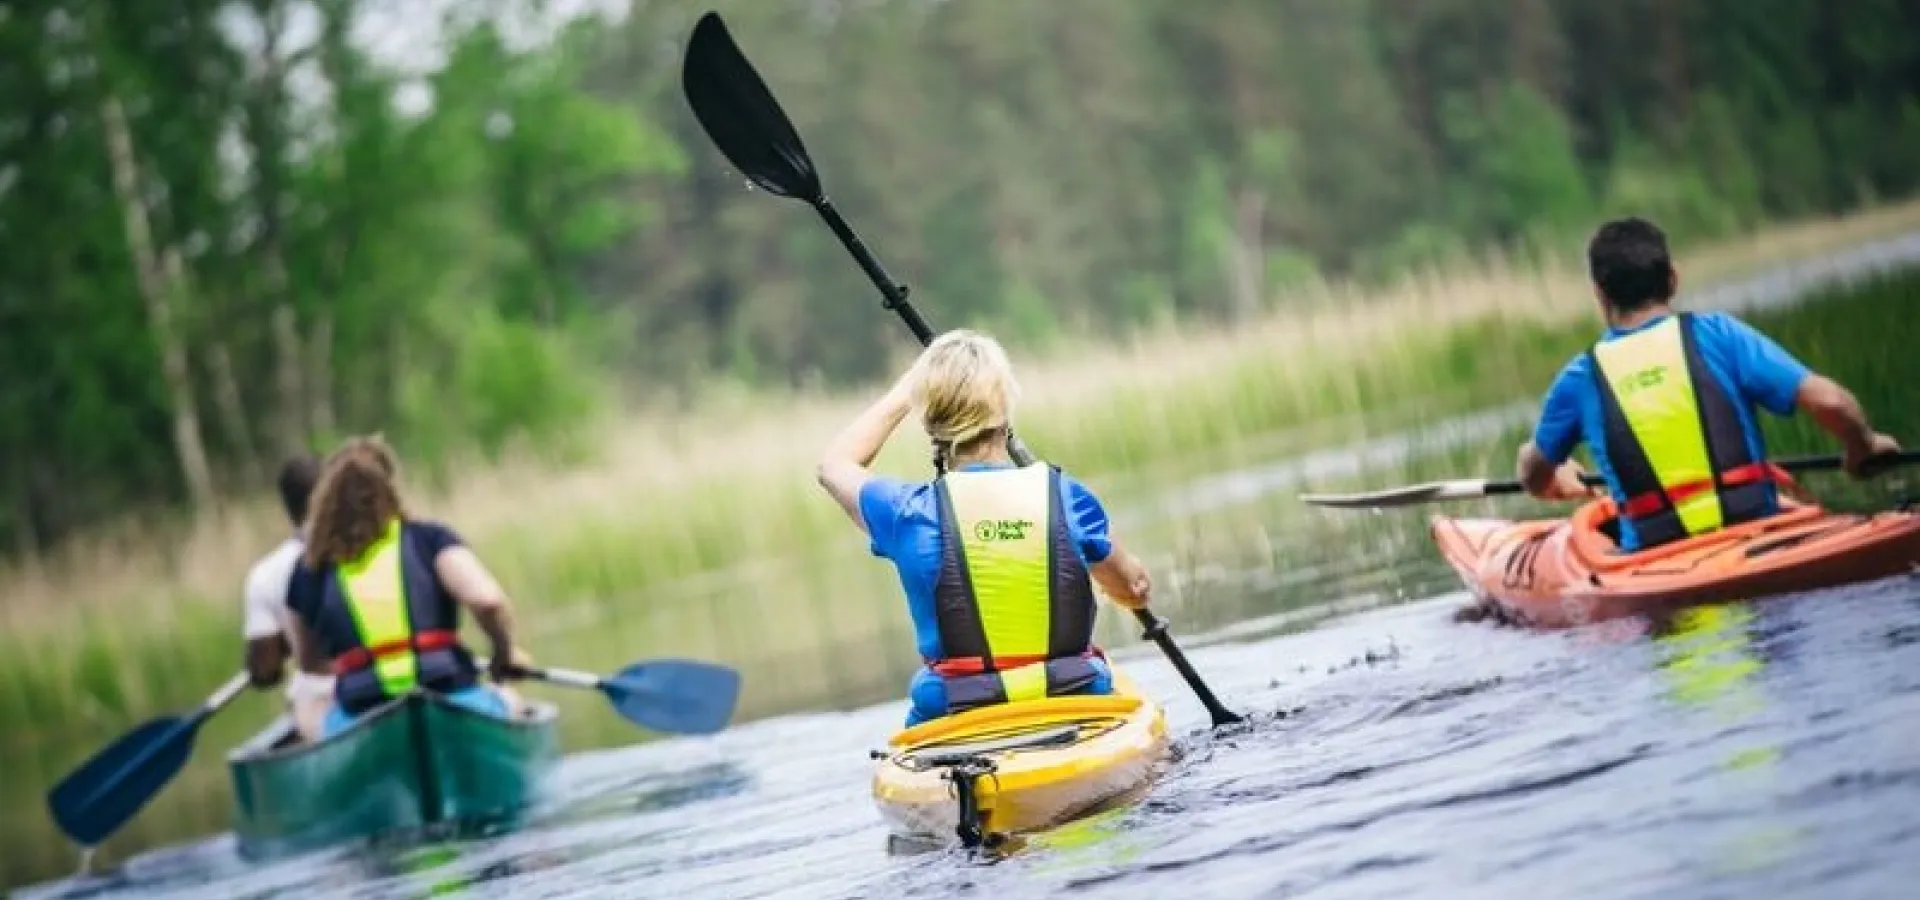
x=1015 y=768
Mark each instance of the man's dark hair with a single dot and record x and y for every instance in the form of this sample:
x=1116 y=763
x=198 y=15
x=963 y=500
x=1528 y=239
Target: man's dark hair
x=1630 y=264
x=297 y=477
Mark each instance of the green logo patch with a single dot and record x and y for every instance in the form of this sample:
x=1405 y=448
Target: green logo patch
x=1001 y=529
x=1633 y=382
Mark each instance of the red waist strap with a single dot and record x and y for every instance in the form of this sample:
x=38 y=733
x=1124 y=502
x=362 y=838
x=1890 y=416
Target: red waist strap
x=1652 y=502
x=361 y=657
x=980 y=665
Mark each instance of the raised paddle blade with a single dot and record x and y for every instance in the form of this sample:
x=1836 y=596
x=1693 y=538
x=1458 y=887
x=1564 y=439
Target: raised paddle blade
x=1413 y=494
x=676 y=696
x=739 y=113
x=101 y=795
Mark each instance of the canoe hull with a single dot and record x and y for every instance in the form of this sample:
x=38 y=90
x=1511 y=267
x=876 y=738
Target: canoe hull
x=1116 y=755
x=1565 y=573
x=416 y=765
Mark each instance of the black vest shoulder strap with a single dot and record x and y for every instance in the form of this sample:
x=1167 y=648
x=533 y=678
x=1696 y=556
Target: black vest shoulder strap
x=956 y=615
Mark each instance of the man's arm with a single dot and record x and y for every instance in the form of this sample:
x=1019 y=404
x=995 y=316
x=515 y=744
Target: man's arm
x=1535 y=471
x=267 y=660
x=1545 y=467
x=267 y=648
x=1781 y=383
x=1839 y=413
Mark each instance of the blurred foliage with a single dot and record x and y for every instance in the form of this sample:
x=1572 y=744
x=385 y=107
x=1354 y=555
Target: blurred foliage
x=229 y=230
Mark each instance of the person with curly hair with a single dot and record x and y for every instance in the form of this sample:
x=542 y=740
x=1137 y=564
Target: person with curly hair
x=377 y=597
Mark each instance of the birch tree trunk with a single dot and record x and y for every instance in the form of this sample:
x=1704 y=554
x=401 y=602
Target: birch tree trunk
x=1247 y=257
x=159 y=293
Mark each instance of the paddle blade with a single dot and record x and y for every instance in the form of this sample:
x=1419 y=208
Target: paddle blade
x=1410 y=495
x=741 y=116
x=676 y=696
x=117 y=782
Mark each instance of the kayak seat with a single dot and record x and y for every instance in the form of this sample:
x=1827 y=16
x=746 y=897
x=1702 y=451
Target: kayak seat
x=1611 y=528
x=1006 y=717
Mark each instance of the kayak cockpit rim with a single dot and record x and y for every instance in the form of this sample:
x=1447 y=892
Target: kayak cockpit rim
x=278 y=741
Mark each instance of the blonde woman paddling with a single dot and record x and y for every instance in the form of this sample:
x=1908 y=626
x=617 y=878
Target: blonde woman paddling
x=376 y=597
x=998 y=562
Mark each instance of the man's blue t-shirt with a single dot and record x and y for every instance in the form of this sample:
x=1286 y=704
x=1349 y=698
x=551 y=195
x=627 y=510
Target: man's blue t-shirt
x=903 y=519
x=1751 y=369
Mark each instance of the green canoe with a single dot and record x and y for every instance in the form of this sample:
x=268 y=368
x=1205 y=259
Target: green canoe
x=418 y=765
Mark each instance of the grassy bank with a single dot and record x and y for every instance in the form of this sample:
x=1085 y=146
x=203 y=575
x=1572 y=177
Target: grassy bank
x=705 y=535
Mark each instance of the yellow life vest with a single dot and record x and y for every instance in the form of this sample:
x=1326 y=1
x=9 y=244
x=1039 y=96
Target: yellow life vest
x=1674 y=437
x=1013 y=601
x=387 y=628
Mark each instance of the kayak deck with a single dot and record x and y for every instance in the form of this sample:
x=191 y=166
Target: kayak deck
x=416 y=765
x=1025 y=766
x=1561 y=573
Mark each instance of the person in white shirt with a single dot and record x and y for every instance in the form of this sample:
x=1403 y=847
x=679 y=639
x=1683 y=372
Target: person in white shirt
x=265 y=626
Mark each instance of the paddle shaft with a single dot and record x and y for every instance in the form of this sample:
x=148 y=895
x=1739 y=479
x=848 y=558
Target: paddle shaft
x=218 y=701
x=225 y=695
x=1796 y=465
x=894 y=294
x=565 y=677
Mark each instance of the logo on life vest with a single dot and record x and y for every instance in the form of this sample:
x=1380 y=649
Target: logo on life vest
x=1001 y=529
x=1635 y=381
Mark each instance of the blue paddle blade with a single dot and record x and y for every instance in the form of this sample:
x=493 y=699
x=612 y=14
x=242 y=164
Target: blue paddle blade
x=676 y=696
x=110 y=788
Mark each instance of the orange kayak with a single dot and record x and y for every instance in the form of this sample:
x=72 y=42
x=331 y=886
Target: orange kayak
x=1559 y=573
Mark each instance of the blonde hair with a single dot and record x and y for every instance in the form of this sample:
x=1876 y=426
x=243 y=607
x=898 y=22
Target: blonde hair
x=355 y=501
x=965 y=391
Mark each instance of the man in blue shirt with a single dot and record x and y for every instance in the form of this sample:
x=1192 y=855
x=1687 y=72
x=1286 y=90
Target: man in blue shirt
x=1666 y=404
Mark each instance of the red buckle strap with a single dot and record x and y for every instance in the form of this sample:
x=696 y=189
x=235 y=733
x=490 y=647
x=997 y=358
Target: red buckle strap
x=960 y=666
x=1653 y=501
x=361 y=657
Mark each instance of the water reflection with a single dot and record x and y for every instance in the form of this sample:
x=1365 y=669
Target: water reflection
x=1713 y=658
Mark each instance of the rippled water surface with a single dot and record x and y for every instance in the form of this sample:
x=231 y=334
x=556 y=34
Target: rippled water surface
x=1770 y=750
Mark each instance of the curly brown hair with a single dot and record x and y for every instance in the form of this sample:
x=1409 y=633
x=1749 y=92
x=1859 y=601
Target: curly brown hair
x=356 y=499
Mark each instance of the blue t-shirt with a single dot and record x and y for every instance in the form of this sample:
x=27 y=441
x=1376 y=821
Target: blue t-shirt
x=903 y=518
x=1751 y=369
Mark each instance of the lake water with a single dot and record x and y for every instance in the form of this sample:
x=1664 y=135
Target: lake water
x=1765 y=750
